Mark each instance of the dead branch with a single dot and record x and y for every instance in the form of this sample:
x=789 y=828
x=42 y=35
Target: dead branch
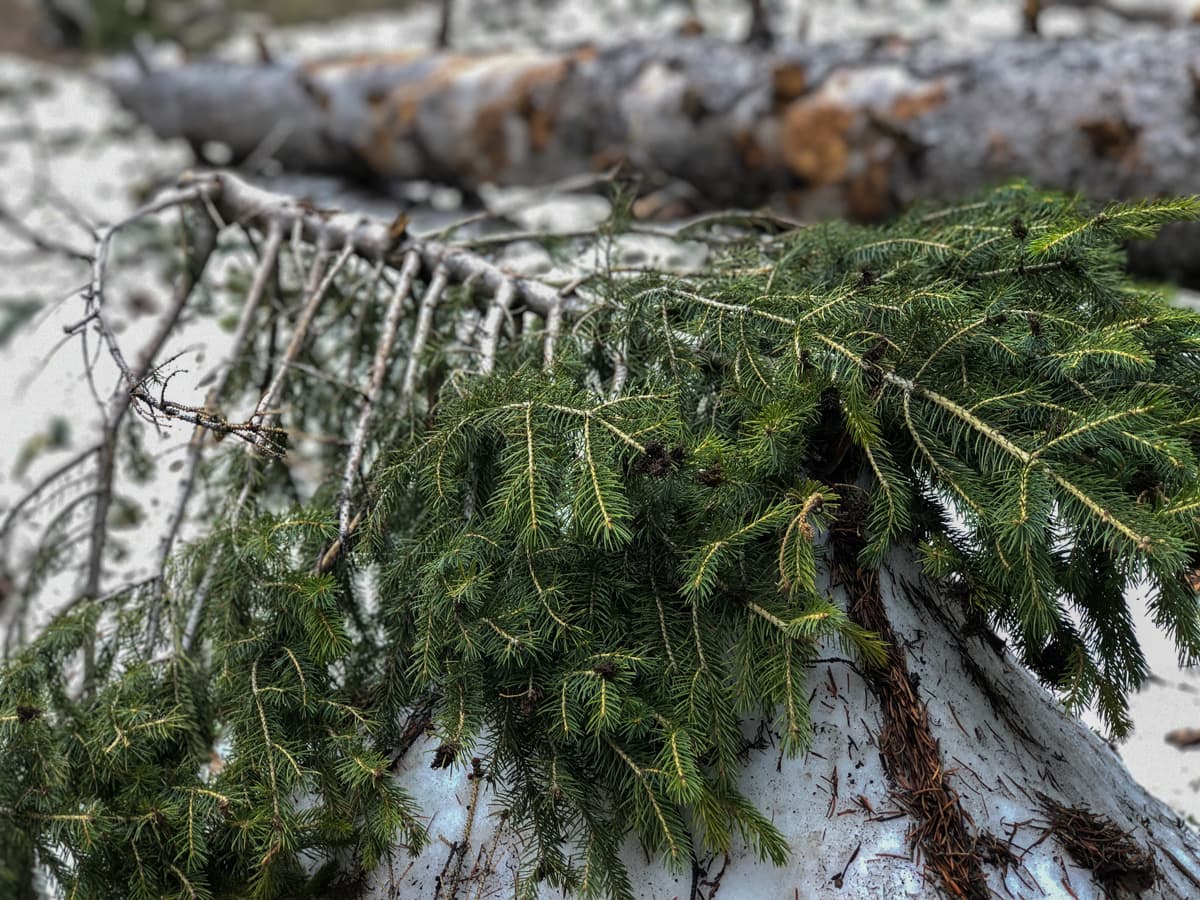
x=125 y=393
x=429 y=302
x=40 y=241
x=34 y=492
x=267 y=262
x=320 y=280
x=493 y=321
x=379 y=369
x=237 y=201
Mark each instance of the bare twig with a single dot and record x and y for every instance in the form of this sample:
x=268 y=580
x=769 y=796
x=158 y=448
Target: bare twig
x=577 y=183
x=376 y=275
x=315 y=372
x=330 y=556
x=14 y=631
x=95 y=290
x=488 y=343
x=40 y=241
x=620 y=371
x=241 y=335
x=429 y=302
x=553 y=330
x=383 y=351
x=33 y=493
x=123 y=396
x=317 y=289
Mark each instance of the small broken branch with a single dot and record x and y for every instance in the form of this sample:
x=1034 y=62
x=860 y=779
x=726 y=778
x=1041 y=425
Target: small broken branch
x=262 y=274
x=34 y=492
x=132 y=379
x=238 y=201
x=320 y=280
x=429 y=302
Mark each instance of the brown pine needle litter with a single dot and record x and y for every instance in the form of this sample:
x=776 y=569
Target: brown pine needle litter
x=1097 y=843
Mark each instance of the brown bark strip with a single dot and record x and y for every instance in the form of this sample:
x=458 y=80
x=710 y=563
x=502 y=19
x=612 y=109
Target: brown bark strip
x=912 y=757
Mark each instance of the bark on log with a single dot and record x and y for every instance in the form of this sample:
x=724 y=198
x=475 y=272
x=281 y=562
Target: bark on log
x=855 y=130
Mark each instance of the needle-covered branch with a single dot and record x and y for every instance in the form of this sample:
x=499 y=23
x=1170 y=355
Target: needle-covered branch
x=596 y=537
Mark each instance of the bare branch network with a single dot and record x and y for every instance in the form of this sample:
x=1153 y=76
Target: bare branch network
x=219 y=203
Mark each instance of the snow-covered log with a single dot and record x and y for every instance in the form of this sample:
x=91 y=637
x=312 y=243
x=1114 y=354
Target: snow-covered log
x=856 y=130
x=1048 y=808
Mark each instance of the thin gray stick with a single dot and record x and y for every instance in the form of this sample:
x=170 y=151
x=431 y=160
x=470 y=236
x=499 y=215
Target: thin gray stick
x=490 y=340
x=104 y=239
x=315 y=372
x=412 y=264
x=429 y=302
x=39 y=241
x=122 y=399
x=33 y=493
x=265 y=410
x=363 y=308
x=620 y=371
x=241 y=335
x=553 y=329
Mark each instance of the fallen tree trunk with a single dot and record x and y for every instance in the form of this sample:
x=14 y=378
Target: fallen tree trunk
x=856 y=130
x=945 y=767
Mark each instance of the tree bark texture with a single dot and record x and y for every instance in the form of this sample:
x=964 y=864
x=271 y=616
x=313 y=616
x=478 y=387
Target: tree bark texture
x=856 y=130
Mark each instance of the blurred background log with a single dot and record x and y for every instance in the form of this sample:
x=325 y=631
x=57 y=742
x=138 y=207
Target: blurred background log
x=857 y=130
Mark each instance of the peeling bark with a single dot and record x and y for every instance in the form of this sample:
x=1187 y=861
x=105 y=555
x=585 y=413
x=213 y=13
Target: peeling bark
x=856 y=130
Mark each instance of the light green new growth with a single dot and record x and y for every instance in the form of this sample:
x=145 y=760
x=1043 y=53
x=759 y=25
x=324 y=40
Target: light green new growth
x=592 y=574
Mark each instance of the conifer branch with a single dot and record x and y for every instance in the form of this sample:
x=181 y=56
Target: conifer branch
x=642 y=556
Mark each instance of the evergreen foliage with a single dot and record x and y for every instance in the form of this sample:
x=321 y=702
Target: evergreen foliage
x=596 y=572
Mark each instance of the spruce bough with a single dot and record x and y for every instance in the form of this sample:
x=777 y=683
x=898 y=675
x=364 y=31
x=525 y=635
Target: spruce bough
x=591 y=574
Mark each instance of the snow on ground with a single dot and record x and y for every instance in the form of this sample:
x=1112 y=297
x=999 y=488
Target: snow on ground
x=60 y=129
